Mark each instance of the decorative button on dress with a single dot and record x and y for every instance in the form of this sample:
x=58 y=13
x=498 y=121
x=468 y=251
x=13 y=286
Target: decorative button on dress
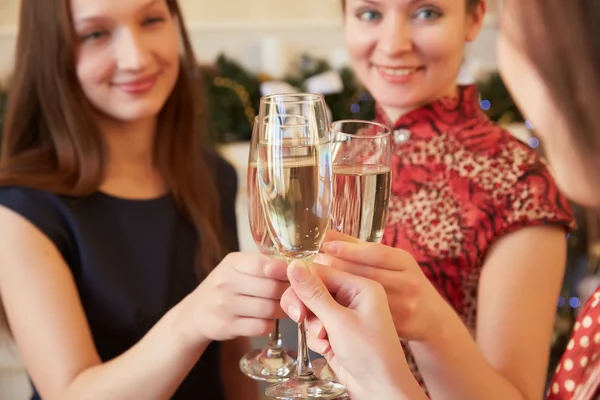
x=459 y=182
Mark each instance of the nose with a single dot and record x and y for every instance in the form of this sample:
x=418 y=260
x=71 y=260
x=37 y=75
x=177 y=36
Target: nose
x=396 y=37
x=131 y=51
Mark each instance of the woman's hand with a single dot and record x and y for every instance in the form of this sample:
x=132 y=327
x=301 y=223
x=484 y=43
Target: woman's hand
x=417 y=308
x=239 y=298
x=354 y=332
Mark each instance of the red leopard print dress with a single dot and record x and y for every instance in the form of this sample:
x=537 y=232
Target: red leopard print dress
x=459 y=183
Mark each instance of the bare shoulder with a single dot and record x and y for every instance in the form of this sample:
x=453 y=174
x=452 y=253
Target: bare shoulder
x=42 y=305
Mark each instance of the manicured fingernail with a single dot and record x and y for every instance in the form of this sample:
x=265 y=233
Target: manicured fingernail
x=300 y=272
x=331 y=247
x=294 y=313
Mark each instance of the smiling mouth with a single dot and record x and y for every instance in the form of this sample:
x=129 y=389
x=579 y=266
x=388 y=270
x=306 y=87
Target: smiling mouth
x=139 y=85
x=398 y=71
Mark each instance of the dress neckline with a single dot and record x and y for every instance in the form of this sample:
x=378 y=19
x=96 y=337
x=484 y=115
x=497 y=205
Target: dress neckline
x=458 y=108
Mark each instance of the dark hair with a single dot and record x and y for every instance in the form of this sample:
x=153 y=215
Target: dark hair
x=52 y=142
x=562 y=41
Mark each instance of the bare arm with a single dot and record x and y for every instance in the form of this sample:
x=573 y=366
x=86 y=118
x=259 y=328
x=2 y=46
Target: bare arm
x=518 y=289
x=53 y=336
x=237 y=385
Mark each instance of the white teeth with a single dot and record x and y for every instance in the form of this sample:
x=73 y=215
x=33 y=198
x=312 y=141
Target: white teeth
x=399 y=71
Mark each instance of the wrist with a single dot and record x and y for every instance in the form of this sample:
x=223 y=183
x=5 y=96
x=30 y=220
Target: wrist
x=444 y=319
x=401 y=385
x=184 y=328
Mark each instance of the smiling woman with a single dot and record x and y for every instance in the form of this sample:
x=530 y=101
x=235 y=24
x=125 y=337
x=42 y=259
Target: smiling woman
x=146 y=64
x=114 y=227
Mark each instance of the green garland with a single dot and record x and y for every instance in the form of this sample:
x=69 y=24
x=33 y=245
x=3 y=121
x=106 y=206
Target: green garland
x=233 y=99
x=234 y=96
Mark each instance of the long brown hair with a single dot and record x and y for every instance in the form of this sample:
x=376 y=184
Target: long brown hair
x=52 y=142
x=562 y=41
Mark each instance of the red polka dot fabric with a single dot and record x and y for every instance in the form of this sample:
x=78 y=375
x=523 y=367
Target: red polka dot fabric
x=577 y=376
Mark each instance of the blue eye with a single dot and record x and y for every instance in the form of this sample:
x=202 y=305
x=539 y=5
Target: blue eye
x=369 y=15
x=427 y=14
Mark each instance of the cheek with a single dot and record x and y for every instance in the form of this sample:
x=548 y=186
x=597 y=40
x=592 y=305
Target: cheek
x=360 y=46
x=167 y=44
x=441 y=44
x=94 y=69
x=357 y=44
x=170 y=56
x=572 y=175
x=527 y=89
x=531 y=95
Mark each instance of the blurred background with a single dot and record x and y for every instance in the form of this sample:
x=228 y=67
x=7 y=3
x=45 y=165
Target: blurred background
x=246 y=48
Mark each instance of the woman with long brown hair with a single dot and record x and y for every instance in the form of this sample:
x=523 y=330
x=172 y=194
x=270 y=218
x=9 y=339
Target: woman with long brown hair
x=549 y=56
x=114 y=225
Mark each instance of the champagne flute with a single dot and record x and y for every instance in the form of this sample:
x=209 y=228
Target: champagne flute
x=361 y=157
x=294 y=175
x=273 y=363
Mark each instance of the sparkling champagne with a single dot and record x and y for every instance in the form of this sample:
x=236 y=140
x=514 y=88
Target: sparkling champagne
x=361 y=196
x=296 y=189
x=256 y=216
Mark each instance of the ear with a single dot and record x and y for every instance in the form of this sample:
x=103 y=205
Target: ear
x=475 y=19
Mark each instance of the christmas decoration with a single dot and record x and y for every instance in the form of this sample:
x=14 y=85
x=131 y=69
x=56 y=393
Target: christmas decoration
x=233 y=98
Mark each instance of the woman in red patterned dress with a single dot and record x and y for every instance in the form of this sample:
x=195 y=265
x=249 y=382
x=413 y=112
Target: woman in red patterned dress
x=550 y=58
x=477 y=209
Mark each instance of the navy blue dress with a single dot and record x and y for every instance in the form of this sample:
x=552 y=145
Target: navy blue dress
x=132 y=261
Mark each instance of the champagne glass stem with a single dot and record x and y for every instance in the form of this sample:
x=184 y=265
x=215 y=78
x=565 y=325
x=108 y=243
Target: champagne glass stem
x=303 y=367
x=275 y=343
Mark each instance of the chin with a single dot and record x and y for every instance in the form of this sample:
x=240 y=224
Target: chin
x=582 y=195
x=396 y=97
x=127 y=113
x=398 y=101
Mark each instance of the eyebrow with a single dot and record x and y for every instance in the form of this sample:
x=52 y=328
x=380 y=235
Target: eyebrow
x=373 y=2
x=96 y=18
x=377 y=3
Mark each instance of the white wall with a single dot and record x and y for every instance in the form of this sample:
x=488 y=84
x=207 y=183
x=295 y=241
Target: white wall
x=211 y=10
